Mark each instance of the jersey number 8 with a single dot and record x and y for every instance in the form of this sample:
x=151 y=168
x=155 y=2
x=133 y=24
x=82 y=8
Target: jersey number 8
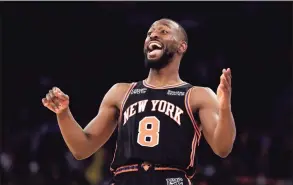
x=148 y=131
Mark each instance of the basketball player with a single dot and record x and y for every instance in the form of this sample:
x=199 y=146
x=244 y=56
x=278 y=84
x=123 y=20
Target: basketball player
x=159 y=119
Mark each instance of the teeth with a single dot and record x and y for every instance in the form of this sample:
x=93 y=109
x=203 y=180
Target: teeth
x=153 y=44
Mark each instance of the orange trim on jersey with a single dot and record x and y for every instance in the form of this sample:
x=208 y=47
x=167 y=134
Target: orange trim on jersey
x=111 y=169
x=197 y=134
x=168 y=169
x=135 y=168
x=164 y=87
x=125 y=171
x=125 y=99
x=126 y=168
x=120 y=115
x=190 y=177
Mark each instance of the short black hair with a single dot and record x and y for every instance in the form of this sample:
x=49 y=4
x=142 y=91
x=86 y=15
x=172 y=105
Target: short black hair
x=181 y=29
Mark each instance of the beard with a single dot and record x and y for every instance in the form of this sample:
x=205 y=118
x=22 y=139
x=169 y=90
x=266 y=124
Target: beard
x=159 y=63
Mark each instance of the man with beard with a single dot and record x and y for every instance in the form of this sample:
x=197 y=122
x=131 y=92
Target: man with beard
x=159 y=119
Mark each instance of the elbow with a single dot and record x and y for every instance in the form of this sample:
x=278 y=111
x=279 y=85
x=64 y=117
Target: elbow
x=79 y=156
x=223 y=153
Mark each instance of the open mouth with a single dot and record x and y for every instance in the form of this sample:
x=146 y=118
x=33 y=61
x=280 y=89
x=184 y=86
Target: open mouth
x=154 y=45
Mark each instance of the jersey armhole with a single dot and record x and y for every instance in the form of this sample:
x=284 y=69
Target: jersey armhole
x=125 y=99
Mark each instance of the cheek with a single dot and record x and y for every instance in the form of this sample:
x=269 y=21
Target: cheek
x=172 y=45
x=146 y=41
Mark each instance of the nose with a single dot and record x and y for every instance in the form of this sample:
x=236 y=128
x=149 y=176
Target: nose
x=154 y=36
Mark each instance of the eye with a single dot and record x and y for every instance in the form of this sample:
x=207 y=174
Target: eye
x=164 y=31
x=149 y=33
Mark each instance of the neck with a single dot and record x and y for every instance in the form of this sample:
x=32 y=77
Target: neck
x=168 y=75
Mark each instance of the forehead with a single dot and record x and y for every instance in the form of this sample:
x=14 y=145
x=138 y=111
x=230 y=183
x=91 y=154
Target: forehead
x=165 y=23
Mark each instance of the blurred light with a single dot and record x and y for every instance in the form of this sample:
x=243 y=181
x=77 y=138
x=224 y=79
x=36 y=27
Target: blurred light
x=209 y=171
x=280 y=182
x=6 y=161
x=72 y=163
x=261 y=180
x=34 y=167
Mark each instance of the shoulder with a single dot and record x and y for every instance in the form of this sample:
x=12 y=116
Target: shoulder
x=204 y=91
x=121 y=86
x=120 y=89
x=118 y=92
x=202 y=97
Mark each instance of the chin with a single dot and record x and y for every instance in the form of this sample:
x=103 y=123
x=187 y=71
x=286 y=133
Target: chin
x=155 y=63
x=156 y=59
x=158 y=62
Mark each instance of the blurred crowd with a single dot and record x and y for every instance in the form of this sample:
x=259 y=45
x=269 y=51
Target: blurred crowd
x=40 y=157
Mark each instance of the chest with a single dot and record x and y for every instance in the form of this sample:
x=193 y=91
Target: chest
x=170 y=103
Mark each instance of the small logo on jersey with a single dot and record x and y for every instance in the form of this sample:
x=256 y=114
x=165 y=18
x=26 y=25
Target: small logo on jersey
x=174 y=181
x=175 y=93
x=138 y=91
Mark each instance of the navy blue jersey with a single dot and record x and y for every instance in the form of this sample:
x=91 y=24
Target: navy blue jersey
x=157 y=125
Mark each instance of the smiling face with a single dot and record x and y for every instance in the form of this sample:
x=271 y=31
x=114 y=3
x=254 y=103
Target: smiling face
x=163 y=41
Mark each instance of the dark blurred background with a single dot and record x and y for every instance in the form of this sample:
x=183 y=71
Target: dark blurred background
x=84 y=48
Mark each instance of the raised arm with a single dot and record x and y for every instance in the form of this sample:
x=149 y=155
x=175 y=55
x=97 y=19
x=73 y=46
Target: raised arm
x=216 y=116
x=84 y=142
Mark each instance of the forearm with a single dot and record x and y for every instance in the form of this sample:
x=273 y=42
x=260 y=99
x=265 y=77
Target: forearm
x=73 y=135
x=225 y=132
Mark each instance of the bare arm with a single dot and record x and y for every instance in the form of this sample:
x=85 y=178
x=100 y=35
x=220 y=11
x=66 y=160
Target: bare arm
x=84 y=142
x=216 y=118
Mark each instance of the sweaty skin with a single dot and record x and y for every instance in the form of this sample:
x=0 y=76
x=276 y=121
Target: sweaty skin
x=215 y=113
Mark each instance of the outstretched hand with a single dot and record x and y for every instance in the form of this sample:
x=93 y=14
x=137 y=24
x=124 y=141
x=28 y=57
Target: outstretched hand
x=224 y=89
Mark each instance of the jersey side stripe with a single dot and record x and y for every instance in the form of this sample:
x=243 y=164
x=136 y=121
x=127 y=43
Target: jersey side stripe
x=189 y=111
x=197 y=133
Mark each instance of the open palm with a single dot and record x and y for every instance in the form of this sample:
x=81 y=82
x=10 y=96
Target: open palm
x=224 y=89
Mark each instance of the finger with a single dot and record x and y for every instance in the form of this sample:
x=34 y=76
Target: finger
x=51 y=94
x=222 y=87
x=58 y=93
x=51 y=105
x=54 y=99
x=48 y=97
x=45 y=102
x=225 y=82
x=228 y=72
x=227 y=78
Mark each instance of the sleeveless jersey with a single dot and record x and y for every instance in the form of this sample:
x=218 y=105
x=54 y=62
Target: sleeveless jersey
x=156 y=125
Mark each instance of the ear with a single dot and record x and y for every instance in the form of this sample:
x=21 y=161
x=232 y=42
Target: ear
x=182 y=47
